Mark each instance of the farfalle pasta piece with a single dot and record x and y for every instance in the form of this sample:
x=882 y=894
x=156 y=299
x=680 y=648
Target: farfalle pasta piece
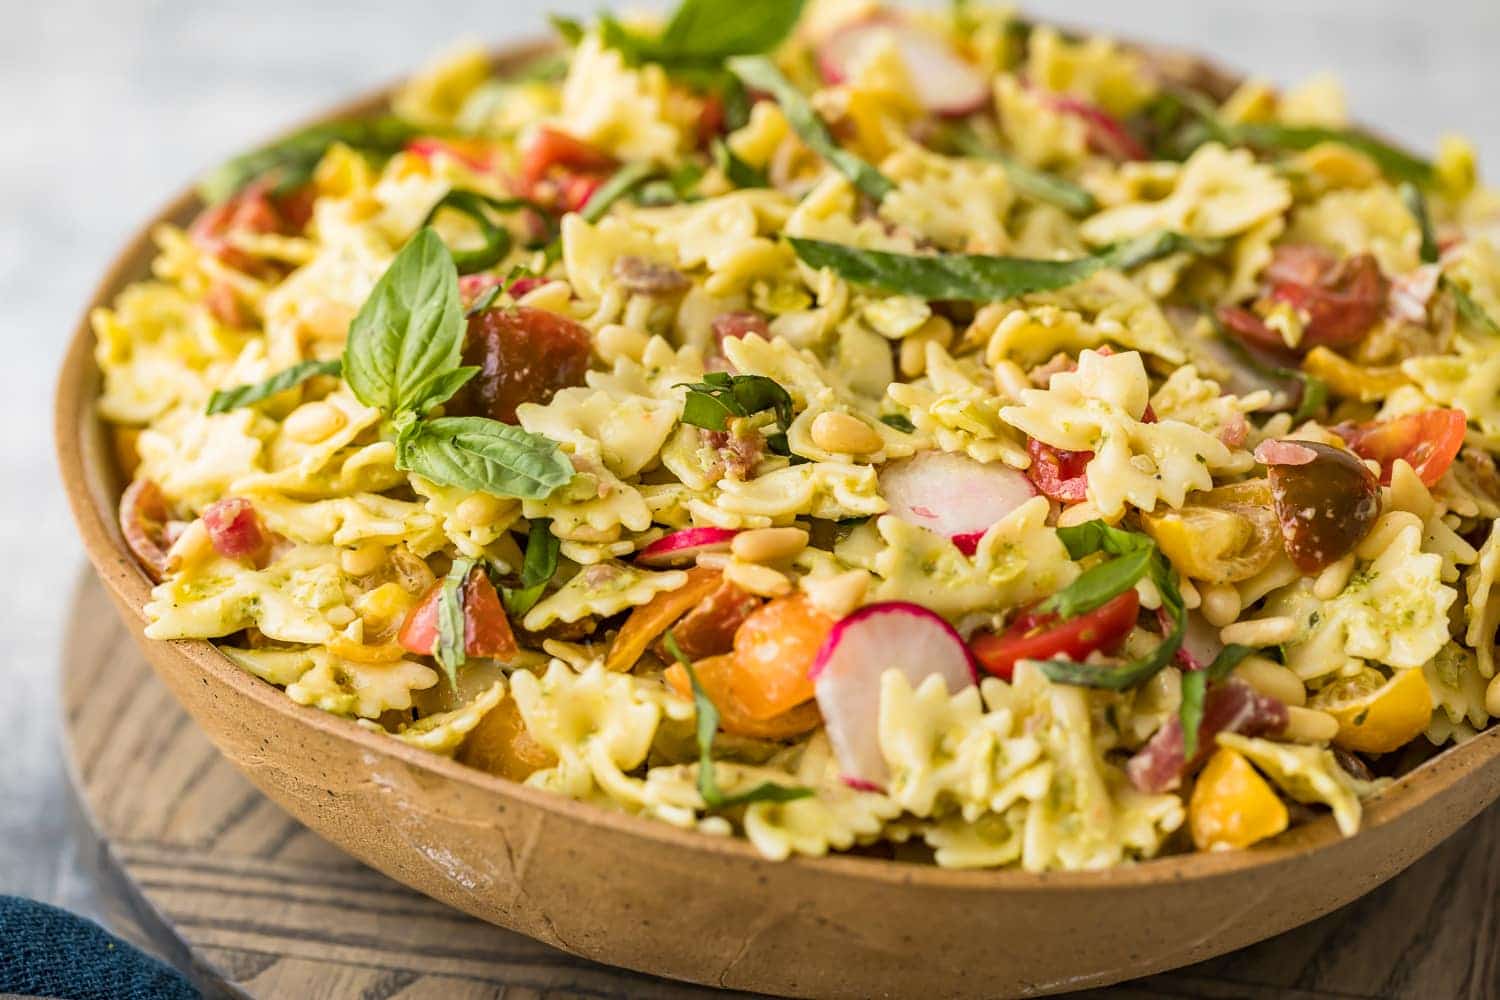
x=1095 y=69
x=1368 y=220
x=196 y=458
x=958 y=204
x=1458 y=688
x=444 y=732
x=958 y=412
x=1482 y=610
x=628 y=430
x=603 y=589
x=616 y=108
x=1309 y=774
x=318 y=678
x=351 y=521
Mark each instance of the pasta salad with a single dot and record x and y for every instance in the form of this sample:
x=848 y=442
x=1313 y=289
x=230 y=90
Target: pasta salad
x=937 y=435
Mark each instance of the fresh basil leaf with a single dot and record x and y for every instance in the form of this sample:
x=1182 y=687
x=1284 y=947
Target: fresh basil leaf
x=1085 y=539
x=621 y=183
x=707 y=727
x=441 y=387
x=537 y=568
x=720 y=396
x=293 y=159
x=980 y=278
x=739 y=173
x=899 y=421
x=409 y=331
x=1195 y=690
x=570 y=30
x=449 y=650
x=1037 y=185
x=714 y=30
x=497 y=239
x=1395 y=163
x=475 y=453
x=1098 y=585
x=1416 y=204
x=224 y=400
x=759 y=73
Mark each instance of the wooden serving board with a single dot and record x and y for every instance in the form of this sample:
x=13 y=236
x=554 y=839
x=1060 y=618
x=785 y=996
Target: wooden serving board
x=227 y=885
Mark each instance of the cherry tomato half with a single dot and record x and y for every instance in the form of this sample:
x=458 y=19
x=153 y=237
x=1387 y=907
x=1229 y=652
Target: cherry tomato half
x=1041 y=637
x=486 y=629
x=1428 y=441
x=552 y=148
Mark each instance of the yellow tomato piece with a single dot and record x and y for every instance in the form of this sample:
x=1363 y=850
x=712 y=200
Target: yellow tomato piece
x=1375 y=717
x=1232 y=805
x=1222 y=535
x=1366 y=383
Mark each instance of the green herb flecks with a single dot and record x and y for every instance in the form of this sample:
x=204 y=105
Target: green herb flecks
x=980 y=278
x=759 y=73
x=224 y=400
x=711 y=403
x=707 y=728
x=739 y=173
x=449 y=649
x=538 y=567
x=899 y=421
x=291 y=161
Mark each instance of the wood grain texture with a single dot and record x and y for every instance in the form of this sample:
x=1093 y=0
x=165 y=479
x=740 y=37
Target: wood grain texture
x=261 y=905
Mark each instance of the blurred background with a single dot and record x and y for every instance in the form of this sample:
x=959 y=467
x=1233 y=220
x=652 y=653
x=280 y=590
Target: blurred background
x=110 y=107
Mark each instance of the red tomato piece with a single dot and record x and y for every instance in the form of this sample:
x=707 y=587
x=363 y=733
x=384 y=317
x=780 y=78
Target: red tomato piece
x=551 y=148
x=711 y=120
x=472 y=153
x=257 y=210
x=487 y=631
x=1041 y=637
x=1428 y=441
x=1252 y=330
x=524 y=355
x=1342 y=306
x=575 y=191
x=234 y=529
x=1057 y=474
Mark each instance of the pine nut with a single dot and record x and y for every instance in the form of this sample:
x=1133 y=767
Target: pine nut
x=312 y=422
x=712 y=560
x=1221 y=604
x=1492 y=697
x=476 y=510
x=1331 y=582
x=1260 y=633
x=1308 y=725
x=1010 y=379
x=1191 y=599
x=839 y=432
x=837 y=596
x=913 y=359
x=1272 y=679
x=1148 y=592
x=1081 y=513
x=763 y=545
x=1385 y=531
x=362 y=560
x=759 y=580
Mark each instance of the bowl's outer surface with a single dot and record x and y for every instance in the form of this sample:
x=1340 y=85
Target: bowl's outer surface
x=644 y=895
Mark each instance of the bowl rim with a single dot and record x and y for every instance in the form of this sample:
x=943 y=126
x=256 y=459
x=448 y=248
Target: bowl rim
x=84 y=464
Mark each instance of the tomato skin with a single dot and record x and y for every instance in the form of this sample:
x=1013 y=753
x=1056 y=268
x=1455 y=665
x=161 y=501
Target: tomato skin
x=1428 y=441
x=524 y=355
x=234 y=529
x=551 y=148
x=773 y=651
x=1041 y=637
x=487 y=631
x=1342 y=306
x=1057 y=474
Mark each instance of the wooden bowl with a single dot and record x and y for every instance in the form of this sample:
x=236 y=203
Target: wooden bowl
x=647 y=896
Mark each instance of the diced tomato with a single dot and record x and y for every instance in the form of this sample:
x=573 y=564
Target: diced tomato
x=143 y=522
x=1428 y=441
x=1057 y=474
x=487 y=631
x=524 y=355
x=1252 y=330
x=523 y=286
x=773 y=651
x=1342 y=305
x=234 y=529
x=551 y=148
x=716 y=674
x=256 y=210
x=472 y=153
x=711 y=120
x=1106 y=133
x=709 y=628
x=1041 y=637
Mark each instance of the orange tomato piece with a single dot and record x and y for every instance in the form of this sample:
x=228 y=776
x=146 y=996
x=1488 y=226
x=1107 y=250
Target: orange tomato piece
x=773 y=652
x=1232 y=806
x=487 y=631
x=657 y=615
x=502 y=745
x=716 y=674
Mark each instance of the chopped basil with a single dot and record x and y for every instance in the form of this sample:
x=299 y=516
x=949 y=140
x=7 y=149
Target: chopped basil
x=1393 y=162
x=710 y=403
x=1470 y=311
x=700 y=34
x=1096 y=536
x=293 y=159
x=899 y=421
x=497 y=239
x=1416 y=204
x=1035 y=184
x=759 y=73
x=980 y=278
x=1099 y=584
x=486 y=299
x=224 y=400
x=537 y=568
x=739 y=173
x=707 y=728
x=476 y=453
x=449 y=649
x=621 y=183
x=1195 y=689
x=407 y=339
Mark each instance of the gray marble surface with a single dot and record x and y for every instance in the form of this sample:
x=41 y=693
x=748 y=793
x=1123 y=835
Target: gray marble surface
x=108 y=107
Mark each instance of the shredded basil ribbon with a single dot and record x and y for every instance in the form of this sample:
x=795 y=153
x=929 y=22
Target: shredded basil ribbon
x=1035 y=184
x=980 y=278
x=707 y=728
x=537 y=567
x=759 y=73
x=1108 y=581
x=497 y=239
x=294 y=158
x=1470 y=310
x=700 y=35
x=224 y=400
x=449 y=649
x=1195 y=689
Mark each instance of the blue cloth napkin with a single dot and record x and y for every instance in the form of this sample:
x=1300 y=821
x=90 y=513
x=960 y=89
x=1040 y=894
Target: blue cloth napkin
x=47 y=952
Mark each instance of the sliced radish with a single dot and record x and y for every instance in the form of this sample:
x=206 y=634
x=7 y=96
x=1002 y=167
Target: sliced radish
x=944 y=83
x=682 y=548
x=953 y=495
x=1106 y=133
x=846 y=676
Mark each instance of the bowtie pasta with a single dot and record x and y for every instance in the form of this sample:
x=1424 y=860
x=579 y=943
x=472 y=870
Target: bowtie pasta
x=937 y=435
